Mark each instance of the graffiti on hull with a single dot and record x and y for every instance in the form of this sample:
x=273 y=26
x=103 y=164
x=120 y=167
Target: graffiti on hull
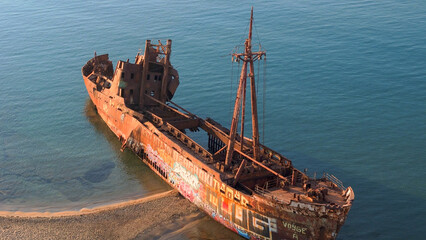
x=187 y=183
x=225 y=204
x=238 y=218
x=157 y=161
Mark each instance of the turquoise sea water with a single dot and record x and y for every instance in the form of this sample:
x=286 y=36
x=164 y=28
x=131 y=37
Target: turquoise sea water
x=345 y=93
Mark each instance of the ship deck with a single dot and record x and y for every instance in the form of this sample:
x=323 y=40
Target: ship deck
x=174 y=123
x=334 y=196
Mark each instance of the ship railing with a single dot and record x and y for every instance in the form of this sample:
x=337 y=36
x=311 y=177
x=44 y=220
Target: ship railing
x=271 y=183
x=334 y=180
x=188 y=141
x=271 y=154
x=181 y=136
x=268 y=194
x=262 y=191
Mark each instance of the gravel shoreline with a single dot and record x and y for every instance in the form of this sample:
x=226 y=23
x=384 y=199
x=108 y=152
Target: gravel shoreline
x=146 y=218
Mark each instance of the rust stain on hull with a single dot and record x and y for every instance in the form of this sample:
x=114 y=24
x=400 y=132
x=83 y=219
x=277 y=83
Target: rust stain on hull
x=249 y=188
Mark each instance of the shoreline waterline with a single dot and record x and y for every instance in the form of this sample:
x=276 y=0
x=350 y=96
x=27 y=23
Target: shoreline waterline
x=83 y=211
x=144 y=218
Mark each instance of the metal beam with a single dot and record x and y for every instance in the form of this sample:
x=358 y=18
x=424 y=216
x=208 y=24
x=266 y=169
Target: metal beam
x=165 y=105
x=235 y=117
x=185 y=123
x=239 y=172
x=220 y=150
x=258 y=163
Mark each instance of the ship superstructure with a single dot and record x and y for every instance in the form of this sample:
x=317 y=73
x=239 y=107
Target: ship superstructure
x=246 y=186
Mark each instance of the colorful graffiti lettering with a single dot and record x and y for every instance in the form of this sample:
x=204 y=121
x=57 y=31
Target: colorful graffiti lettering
x=187 y=183
x=242 y=218
x=157 y=160
x=229 y=192
x=202 y=174
x=189 y=178
x=225 y=204
x=186 y=191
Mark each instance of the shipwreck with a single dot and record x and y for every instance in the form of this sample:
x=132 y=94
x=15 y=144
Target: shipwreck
x=246 y=186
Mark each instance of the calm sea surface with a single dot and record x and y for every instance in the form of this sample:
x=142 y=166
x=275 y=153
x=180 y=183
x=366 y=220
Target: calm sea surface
x=345 y=93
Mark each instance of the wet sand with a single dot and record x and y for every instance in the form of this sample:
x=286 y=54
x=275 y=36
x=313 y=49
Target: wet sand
x=146 y=218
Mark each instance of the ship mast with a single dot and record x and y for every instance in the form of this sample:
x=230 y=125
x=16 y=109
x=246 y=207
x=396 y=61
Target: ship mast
x=248 y=57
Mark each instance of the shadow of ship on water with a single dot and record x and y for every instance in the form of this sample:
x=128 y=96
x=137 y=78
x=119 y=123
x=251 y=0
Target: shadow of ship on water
x=129 y=162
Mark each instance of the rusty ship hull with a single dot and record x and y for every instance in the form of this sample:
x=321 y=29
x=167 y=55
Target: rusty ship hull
x=257 y=197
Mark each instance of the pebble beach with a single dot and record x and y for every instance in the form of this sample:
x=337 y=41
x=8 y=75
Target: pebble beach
x=145 y=218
